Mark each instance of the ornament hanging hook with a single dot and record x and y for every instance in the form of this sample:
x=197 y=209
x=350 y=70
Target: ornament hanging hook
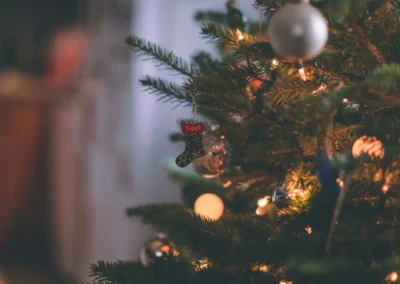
x=193 y=107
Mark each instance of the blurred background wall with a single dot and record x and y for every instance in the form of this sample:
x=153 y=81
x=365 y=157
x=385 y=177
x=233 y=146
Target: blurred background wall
x=112 y=140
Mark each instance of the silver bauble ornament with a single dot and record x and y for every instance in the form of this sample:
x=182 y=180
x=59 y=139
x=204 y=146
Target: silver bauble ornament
x=215 y=161
x=298 y=31
x=158 y=249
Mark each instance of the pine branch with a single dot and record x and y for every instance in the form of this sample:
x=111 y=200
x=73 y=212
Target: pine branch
x=225 y=36
x=371 y=47
x=247 y=47
x=206 y=237
x=386 y=18
x=115 y=273
x=167 y=91
x=217 y=92
x=380 y=88
x=339 y=269
x=285 y=91
x=171 y=270
x=206 y=63
x=335 y=66
x=161 y=56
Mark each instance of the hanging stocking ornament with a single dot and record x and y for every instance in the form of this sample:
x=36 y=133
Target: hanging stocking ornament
x=194 y=141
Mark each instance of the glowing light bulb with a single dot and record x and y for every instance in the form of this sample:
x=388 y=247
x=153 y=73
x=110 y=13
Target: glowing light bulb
x=345 y=100
x=239 y=34
x=385 y=188
x=340 y=182
x=321 y=88
x=260 y=211
x=394 y=276
x=227 y=184
x=201 y=264
x=302 y=73
x=262 y=202
x=209 y=205
x=275 y=62
x=309 y=230
x=264 y=268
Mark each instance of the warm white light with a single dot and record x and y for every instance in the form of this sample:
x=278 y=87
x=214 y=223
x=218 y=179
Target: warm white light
x=385 y=188
x=340 y=182
x=309 y=230
x=227 y=184
x=302 y=73
x=321 y=88
x=260 y=211
x=239 y=34
x=345 y=100
x=262 y=202
x=394 y=276
x=202 y=264
x=210 y=206
x=275 y=62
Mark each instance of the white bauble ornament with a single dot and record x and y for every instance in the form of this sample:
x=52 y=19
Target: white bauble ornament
x=209 y=205
x=158 y=249
x=298 y=31
x=369 y=146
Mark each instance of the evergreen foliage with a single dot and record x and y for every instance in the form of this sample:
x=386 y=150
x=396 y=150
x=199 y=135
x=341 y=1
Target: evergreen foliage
x=273 y=135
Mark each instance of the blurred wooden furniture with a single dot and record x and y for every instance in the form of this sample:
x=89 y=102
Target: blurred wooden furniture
x=23 y=181
x=25 y=215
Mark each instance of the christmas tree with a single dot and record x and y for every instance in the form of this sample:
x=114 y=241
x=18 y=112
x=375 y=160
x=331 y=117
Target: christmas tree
x=295 y=168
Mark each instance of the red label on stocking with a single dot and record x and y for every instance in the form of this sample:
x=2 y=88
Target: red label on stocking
x=190 y=128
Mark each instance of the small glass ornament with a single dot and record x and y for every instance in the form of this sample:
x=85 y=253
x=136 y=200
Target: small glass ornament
x=158 y=249
x=215 y=161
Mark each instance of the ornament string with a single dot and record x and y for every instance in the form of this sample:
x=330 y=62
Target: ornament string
x=193 y=107
x=329 y=135
x=343 y=186
x=336 y=214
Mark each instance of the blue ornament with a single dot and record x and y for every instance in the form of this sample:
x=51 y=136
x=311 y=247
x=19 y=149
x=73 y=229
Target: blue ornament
x=327 y=175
